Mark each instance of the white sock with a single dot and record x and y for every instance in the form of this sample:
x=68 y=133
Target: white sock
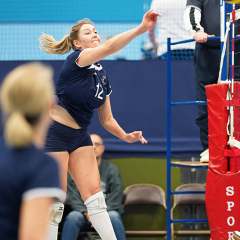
x=52 y=231
x=102 y=223
x=55 y=217
x=99 y=217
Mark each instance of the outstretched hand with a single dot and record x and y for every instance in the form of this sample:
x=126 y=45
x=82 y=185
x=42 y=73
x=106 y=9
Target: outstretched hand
x=135 y=136
x=149 y=20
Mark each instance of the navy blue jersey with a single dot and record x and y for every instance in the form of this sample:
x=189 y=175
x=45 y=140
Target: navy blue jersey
x=25 y=174
x=81 y=89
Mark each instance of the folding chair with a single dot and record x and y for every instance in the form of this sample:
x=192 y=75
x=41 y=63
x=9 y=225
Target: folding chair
x=144 y=194
x=188 y=199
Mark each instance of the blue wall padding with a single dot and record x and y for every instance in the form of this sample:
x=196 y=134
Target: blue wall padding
x=138 y=102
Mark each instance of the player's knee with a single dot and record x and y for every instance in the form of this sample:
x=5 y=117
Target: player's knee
x=96 y=204
x=56 y=213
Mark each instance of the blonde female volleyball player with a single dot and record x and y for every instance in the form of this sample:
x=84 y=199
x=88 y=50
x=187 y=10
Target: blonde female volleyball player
x=29 y=179
x=82 y=86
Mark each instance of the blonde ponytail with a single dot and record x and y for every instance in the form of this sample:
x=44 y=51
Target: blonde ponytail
x=18 y=132
x=24 y=96
x=50 y=45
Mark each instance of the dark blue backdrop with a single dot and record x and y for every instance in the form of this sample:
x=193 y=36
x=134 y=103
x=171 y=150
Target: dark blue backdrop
x=139 y=103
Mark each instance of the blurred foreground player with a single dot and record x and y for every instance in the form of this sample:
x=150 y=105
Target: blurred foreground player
x=29 y=179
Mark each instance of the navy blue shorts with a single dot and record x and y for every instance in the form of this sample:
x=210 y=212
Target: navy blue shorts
x=61 y=138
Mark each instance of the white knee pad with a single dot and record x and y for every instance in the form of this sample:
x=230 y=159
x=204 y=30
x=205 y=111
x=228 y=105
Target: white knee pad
x=96 y=204
x=56 y=213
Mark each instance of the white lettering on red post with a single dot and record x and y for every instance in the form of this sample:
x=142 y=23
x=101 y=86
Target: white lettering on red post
x=230 y=205
x=231 y=221
x=230 y=236
x=230 y=191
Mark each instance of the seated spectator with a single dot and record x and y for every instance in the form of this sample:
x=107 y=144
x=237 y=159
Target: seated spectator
x=111 y=184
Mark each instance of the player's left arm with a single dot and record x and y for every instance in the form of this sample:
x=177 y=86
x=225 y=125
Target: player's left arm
x=110 y=124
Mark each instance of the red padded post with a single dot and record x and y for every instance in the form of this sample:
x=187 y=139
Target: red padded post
x=217 y=126
x=223 y=186
x=223 y=204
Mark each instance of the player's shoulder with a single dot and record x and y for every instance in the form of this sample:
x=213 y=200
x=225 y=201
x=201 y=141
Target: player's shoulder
x=4 y=151
x=2 y=143
x=75 y=53
x=46 y=159
x=36 y=158
x=43 y=168
x=72 y=57
x=27 y=161
x=71 y=61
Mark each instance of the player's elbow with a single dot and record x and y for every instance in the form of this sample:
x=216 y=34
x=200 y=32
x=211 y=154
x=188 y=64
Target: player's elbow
x=105 y=121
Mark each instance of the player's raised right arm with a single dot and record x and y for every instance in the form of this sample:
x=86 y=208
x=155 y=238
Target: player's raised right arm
x=116 y=43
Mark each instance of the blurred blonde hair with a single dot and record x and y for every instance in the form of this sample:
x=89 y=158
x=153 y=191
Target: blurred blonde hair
x=24 y=95
x=50 y=45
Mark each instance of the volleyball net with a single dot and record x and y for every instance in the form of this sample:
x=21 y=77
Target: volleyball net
x=232 y=96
